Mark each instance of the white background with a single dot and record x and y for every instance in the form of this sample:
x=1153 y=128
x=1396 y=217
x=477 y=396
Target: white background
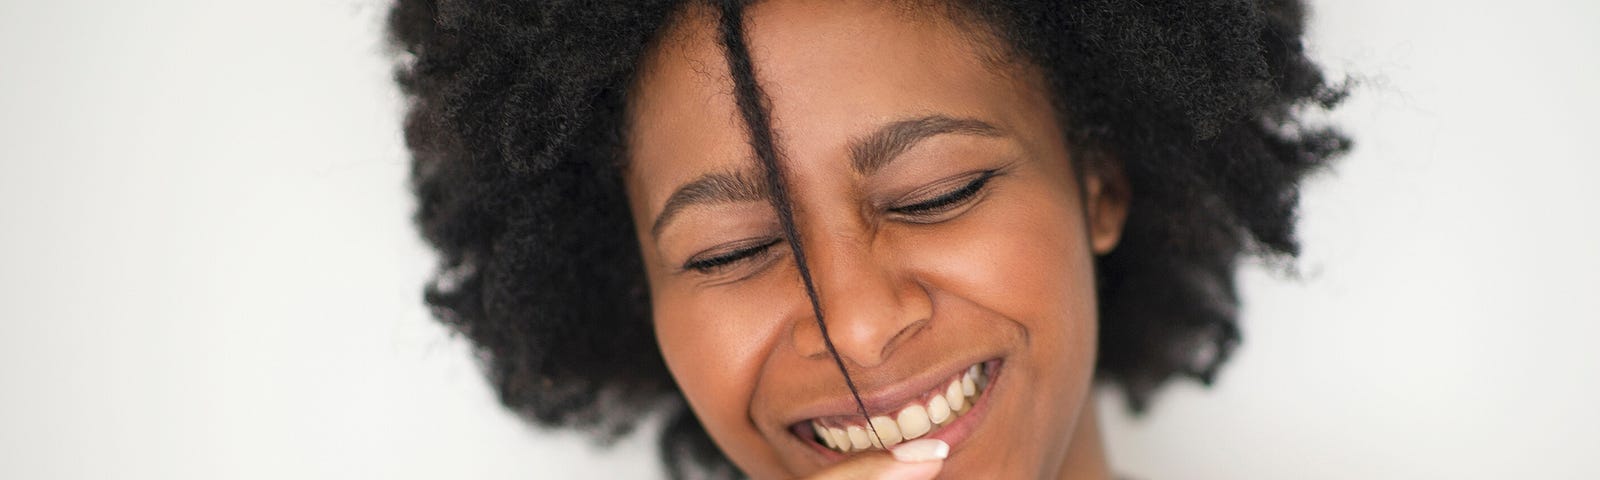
x=207 y=268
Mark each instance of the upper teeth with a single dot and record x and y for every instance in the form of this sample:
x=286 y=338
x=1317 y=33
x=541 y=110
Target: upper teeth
x=935 y=409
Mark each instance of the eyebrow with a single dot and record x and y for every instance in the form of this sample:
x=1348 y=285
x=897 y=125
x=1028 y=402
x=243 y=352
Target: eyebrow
x=868 y=154
x=872 y=152
x=720 y=187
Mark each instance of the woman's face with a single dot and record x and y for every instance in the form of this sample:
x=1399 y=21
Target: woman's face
x=943 y=225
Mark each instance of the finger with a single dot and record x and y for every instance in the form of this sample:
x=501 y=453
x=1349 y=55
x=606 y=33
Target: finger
x=914 y=460
x=921 y=451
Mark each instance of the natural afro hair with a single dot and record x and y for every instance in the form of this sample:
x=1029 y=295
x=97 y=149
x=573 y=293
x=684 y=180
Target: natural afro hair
x=515 y=129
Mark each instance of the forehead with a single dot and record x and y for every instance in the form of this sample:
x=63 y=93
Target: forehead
x=831 y=70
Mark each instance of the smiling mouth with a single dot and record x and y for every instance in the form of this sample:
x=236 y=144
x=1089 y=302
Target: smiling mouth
x=920 y=417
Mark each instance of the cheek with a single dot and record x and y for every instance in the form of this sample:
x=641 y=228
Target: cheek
x=1026 y=259
x=1046 y=271
x=714 y=341
x=1024 y=255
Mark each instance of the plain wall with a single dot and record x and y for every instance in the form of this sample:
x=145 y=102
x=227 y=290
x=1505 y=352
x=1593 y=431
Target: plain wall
x=208 y=271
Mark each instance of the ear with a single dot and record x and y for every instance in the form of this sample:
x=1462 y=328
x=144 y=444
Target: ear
x=1106 y=199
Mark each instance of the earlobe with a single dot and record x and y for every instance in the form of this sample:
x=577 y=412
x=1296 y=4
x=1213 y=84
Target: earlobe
x=1108 y=198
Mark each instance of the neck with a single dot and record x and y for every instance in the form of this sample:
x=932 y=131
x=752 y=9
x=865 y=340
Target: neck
x=1086 y=456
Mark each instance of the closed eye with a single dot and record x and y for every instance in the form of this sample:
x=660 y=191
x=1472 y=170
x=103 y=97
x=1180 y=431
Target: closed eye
x=717 y=260
x=948 y=200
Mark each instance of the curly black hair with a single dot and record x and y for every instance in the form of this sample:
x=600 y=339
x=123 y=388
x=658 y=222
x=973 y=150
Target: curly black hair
x=515 y=125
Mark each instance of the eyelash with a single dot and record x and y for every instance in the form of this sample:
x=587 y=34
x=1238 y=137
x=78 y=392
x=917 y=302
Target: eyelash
x=949 y=200
x=719 y=262
x=934 y=206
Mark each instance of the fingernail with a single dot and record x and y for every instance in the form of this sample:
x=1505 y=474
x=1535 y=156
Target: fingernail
x=924 y=450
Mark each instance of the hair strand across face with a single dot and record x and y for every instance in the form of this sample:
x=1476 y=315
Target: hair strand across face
x=758 y=121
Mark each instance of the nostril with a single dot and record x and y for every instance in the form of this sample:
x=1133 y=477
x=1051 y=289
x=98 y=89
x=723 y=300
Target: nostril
x=807 y=337
x=905 y=335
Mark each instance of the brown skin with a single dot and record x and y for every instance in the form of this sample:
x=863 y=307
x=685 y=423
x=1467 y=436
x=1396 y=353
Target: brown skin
x=1006 y=274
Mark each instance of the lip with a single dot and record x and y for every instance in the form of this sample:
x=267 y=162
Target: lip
x=884 y=401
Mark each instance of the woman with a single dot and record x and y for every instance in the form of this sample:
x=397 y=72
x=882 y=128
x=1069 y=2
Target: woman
x=816 y=231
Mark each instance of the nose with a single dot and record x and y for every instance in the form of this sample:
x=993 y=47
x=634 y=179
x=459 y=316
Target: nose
x=870 y=306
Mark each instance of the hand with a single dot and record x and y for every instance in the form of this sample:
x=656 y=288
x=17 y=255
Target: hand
x=913 y=460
